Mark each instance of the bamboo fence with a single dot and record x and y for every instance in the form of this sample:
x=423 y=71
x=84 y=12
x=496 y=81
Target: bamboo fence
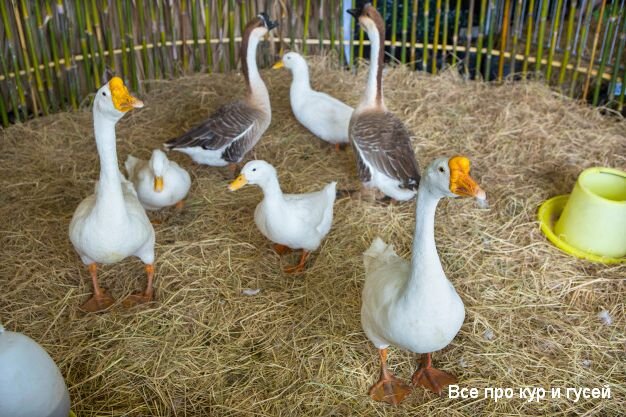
x=55 y=52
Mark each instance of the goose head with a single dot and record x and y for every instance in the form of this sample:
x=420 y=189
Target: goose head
x=158 y=165
x=259 y=26
x=113 y=100
x=449 y=177
x=254 y=172
x=291 y=60
x=368 y=17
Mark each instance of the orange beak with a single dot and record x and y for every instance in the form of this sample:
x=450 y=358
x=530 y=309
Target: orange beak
x=460 y=181
x=122 y=99
x=158 y=184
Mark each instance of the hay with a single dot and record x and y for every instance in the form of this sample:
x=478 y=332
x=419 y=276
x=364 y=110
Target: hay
x=296 y=348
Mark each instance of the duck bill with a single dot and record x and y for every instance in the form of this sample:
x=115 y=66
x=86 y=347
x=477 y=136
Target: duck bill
x=158 y=184
x=239 y=182
x=122 y=99
x=461 y=183
x=278 y=65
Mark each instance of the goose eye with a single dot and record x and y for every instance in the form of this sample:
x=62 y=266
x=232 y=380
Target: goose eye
x=253 y=169
x=104 y=93
x=441 y=169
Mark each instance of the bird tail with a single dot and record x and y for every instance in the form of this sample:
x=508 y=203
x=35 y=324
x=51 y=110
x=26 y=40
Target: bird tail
x=130 y=165
x=378 y=254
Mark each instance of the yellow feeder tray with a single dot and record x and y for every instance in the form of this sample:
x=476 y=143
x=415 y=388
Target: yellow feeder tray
x=549 y=213
x=72 y=414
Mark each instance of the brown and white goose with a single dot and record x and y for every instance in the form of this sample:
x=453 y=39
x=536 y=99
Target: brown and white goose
x=233 y=129
x=382 y=145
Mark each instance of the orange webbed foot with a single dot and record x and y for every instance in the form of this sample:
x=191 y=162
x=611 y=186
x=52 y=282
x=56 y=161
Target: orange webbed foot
x=138 y=298
x=300 y=266
x=180 y=205
x=390 y=390
x=281 y=249
x=98 y=302
x=432 y=379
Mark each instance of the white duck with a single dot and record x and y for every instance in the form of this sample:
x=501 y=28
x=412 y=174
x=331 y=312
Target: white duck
x=291 y=221
x=413 y=305
x=159 y=182
x=325 y=116
x=111 y=224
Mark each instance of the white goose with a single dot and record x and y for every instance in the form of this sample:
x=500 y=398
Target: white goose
x=325 y=116
x=413 y=305
x=291 y=221
x=111 y=224
x=159 y=182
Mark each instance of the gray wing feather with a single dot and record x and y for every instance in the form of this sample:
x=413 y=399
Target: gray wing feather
x=384 y=142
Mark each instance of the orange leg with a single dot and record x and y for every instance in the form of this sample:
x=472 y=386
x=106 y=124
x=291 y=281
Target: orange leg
x=180 y=205
x=388 y=389
x=300 y=266
x=281 y=249
x=340 y=146
x=142 y=297
x=101 y=299
x=431 y=378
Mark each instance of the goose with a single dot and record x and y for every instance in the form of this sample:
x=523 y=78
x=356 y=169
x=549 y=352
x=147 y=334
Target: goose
x=382 y=146
x=413 y=305
x=159 y=182
x=111 y=224
x=233 y=129
x=325 y=116
x=291 y=221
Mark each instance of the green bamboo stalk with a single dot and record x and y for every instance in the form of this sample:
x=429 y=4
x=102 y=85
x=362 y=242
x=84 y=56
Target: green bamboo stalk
x=455 y=37
x=4 y=116
x=605 y=52
x=130 y=38
x=620 y=106
x=148 y=69
x=93 y=50
x=568 y=42
x=97 y=29
x=166 y=57
x=109 y=38
x=11 y=87
x=68 y=58
x=231 y=34
x=195 y=36
x=436 y=36
x=332 y=24
x=361 y=42
x=292 y=25
x=207 y=36
x=45 y=57
x=490 y=39
x=618 y=58
x=154 y=38
x=593 y=50
x=88 y=61
x=542 y=31
x=425 y=49
x=305 y=30
x=444 y=40
x=28 y=44
x=182 y=16
x=516 y=30
x=122 y=34
x=529 y=35
x=220 y=30
x=320 y=27
x=504 y=37
x=351 y=42
x=581 y=46
x=52 y=31
x=243 y=18
x=394 y=28
x=404 y=33
x=481 y=36
x=553 y=41
x=414 y=32
x=469 y=37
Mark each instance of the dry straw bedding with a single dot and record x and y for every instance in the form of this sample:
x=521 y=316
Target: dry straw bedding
x=297 y=348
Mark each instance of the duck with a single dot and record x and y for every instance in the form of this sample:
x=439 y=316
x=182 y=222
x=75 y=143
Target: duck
x=111 y=224
x=233 y=129
x=158 y=182
x=382 y=143
x=291 y=221
x=325 y=116
x=413 y=305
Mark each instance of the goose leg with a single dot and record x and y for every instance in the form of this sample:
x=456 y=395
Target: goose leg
x=281 y=249
x=431 y=378
x=101 y=299
x=180 y=205
x=388 y=389
x=145 y=296
x=300 y=266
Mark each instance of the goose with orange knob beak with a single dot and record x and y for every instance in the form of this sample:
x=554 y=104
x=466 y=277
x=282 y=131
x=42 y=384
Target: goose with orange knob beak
x=291 y=221
x=412 y=305
x=111 y=224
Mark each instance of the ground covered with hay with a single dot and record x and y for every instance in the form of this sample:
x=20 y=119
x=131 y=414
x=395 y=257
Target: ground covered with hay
x=296 y=347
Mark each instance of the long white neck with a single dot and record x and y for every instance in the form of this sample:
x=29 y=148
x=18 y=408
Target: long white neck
x=373 y=95
x=257 y=90
x=271 y=191
x=109 y=196
x=425 y=263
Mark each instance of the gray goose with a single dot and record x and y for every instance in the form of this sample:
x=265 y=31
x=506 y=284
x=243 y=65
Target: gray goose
x=233 y=129
x=382 y=146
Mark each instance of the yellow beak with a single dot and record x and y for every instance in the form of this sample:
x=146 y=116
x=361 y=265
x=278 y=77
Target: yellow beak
x=122 y=99
x=239 y=182
x=278 y=65
x=158 y=184
x=460 y=181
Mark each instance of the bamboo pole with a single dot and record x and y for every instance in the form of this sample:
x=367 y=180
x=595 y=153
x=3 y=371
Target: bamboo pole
x=89 y=64
x=29 y=49
x=542 y=31
x=516 y=32
x=581 y=45
x=405 y=30
x=361 y=42
x=618 y=58
x=207 y=36
x=231 y=35
x=130 y=38
x=593 y=50
x=195 y=35
x=12 y=91
x=96 y=38
x=553 y=40
x=305 y=31
x=148 y=69
x=481 y=35
x=504 y=37
x=93 y=49
x=45 y=57
x=394 y=27
x=529 y=33
x=70 y=64
x=568 y=41
x=157 y=63
x=414 y=33
x=436 y=36
x=52 y=31
x=455 y=36
x=490 y=38
x=444 y=41
x=122 y=35
x=605 y=52
x=425 y=50
x=469 y=37
x=108 y=19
